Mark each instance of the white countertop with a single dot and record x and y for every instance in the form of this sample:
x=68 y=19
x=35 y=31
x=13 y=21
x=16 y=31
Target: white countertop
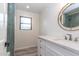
x=72 y=44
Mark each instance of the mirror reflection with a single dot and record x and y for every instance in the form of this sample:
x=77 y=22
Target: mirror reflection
x=70 y=16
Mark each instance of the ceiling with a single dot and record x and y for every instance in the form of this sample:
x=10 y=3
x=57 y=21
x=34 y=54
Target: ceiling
x=34 y=7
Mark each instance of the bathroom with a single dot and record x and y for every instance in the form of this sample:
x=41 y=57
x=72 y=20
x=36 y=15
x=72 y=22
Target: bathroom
x=45 y=33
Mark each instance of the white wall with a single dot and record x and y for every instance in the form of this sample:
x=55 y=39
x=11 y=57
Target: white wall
x=25 y=39
x=49 y=22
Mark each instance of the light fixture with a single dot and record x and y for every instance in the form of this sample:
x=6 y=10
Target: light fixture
x=27 y=6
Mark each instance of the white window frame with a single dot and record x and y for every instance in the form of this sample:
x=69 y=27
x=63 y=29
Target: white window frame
x=25 y=23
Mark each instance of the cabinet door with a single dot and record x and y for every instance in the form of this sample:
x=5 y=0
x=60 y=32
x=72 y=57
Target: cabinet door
x=3 y=27
x=52 y=52
x=43 y=47
x=39 y=47
x=43 y=51
x=59 y=49
x=53 y=49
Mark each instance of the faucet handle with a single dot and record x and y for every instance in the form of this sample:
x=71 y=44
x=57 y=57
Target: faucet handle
x=65 y=38
x=68 y=37
x=76 y=39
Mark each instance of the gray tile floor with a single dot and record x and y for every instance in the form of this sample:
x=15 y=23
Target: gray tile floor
x=27 y=52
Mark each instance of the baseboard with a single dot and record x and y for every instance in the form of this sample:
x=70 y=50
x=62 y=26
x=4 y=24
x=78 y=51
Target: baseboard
x=24 y=48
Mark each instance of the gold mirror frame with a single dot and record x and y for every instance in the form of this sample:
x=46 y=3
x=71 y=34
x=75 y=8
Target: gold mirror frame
x=61 y=15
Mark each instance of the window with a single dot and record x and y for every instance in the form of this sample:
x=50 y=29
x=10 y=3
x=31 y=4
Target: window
x=25 y=23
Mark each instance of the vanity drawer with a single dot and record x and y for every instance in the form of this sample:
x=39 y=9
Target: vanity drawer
x=59 y=49
x=51 y=52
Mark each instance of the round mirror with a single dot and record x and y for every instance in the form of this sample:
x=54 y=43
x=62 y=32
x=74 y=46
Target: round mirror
x=68 y=18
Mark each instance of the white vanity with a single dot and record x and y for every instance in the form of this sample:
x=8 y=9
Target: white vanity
x=49 y=46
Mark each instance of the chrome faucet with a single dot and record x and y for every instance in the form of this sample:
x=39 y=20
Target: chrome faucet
x=70 y=37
